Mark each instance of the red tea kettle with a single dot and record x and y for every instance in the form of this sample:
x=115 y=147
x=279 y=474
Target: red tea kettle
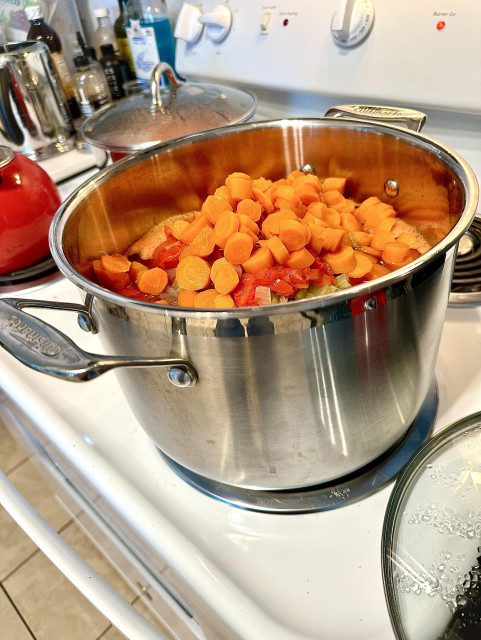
x=28 y=201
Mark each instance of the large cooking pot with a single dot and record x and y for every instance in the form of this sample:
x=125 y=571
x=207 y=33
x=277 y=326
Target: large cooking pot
x=277 y=397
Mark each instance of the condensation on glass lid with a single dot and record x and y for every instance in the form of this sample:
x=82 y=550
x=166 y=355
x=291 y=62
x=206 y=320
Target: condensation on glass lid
x=432 y=538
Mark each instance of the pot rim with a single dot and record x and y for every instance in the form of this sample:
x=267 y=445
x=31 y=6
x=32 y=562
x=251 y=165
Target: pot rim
x=462 y=169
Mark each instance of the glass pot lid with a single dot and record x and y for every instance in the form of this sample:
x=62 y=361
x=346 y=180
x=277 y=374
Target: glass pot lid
x=432 y=539
x=163 y=113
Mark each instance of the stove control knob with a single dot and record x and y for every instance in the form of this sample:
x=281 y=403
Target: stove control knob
x=217 y=23
x=352 y=22
x=188 y=27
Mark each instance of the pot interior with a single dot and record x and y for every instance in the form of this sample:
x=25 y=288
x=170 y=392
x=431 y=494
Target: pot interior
x=429 y=187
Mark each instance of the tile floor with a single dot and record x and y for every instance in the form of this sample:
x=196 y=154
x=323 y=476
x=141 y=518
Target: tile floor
x=36 y=600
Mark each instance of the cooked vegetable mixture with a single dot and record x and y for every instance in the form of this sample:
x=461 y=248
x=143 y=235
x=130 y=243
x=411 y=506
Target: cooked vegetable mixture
x=257 y=242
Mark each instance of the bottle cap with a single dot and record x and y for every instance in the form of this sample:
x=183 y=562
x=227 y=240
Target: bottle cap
x=81 y=61
x=34 y=12
x=107 y=49
x=101 y=13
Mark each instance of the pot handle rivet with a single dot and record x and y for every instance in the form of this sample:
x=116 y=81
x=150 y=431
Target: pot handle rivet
x=180 y=377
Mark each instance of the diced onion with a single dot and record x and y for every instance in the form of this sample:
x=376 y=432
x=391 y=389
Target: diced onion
x=263 y=295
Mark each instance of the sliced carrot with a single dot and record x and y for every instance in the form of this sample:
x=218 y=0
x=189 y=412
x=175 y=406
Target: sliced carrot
x=136 y=268
x=349 y=222
x=261 y=258
x=294 y=235
x=193 y=273
x=395 y=252
x=226 y=225
x=115 y=263
x=185 y=298
x=152 y=281
x=278 y=250
x=249 y=208
x=213 y=206
x=178 y=227
x=203 y=244
x=113 y=280
x=334 y=184
x=299 y=259
x=194 y=228
x=224 y=302
x=205 y=299
x=239 y=186
x=225 y=278
x=270 y=226
x=341 y=261
x=238 y=248
x=263 y=199
x=380 y=239
x=363 y=265
x=245 y=221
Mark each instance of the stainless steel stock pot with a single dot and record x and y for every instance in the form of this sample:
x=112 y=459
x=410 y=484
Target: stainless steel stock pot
x=278 y=397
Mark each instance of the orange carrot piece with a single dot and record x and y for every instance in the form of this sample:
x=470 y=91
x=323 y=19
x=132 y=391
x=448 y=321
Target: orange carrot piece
x=270 y=226
x=260 y=259
x=249 y=208
x=136 y=268
x=363 y=265
x=395 y=252
x=115 y=263
x=294 y=235
x=238 y=248
x=349 y=222
x=193 y=273
x=226 y=225
x=225 y=279
x=334 y=184
x=204 y=243
x=263 y=199
x=194 y=228
x=299 y=259
x=224 y=302
x=113 y=280
x=205 y=299
x=185 y=298
x=245 y=221
x=341 y=261
x=279 y=252
x=178 y=227
x=152 y=281
x=213 y=206
x=239 y=186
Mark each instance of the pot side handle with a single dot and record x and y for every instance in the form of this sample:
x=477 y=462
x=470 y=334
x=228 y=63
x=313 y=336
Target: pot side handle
x=44 y=348
x=412 y=119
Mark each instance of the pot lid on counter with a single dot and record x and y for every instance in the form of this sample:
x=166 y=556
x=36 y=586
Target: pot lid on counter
x=432 y=536
x=162 y=113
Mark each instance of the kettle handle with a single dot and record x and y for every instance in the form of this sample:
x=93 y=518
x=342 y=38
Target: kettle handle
x=44 y=348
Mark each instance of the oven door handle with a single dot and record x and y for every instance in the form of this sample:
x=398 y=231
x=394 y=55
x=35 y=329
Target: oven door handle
x=44 y=348
x=104 y=597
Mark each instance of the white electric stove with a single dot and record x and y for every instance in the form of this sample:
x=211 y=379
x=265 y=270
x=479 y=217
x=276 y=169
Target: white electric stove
x=310 y=570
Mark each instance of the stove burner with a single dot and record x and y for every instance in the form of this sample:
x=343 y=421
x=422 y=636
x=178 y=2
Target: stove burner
x=466 y=285
x=324 y=497
x=32 y=277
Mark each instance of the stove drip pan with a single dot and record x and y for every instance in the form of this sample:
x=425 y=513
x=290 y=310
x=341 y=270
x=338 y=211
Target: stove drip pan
x=466 y=285
x=347 y=490
x=31 y=278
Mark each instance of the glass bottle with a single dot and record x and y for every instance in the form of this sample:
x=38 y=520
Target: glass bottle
x=41 y=31
x=150 y=36
x=90 y=85
x=104 y=34
x=125 y=54
x=115 y=71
